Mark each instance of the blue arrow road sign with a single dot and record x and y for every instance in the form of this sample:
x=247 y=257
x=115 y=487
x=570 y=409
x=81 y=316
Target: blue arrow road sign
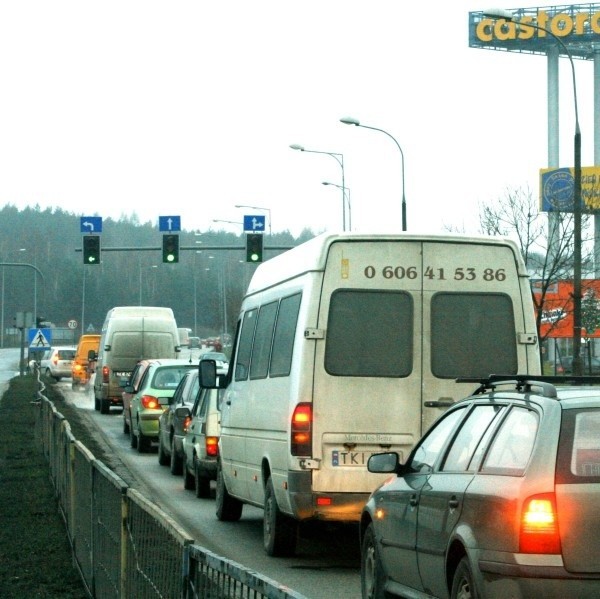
x=91 y=224
x=169 y=223
x=254 y=222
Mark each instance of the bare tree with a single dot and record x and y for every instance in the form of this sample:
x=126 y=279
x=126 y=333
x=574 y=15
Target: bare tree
x=545 y=241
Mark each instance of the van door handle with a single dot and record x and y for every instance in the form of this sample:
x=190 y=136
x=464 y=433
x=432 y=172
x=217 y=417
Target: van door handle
x=413 y=501
x=453 y=503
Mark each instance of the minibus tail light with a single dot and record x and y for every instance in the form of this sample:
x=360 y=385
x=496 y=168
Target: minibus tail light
x=212 y=446
x=301 y=430
x=539 y=525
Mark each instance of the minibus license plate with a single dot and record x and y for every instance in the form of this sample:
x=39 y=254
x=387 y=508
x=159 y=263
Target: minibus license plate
x=349 y=458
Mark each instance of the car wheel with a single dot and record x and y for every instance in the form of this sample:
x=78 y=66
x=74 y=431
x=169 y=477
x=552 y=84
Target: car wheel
x=143 y=442
x=463 y=585
x=201 y=483
x=73 y=386
x=372 y=579
x=125 y=425
x=48 y=373
x=133 y=440
x=188 y=477
x=163 y=458
x=57 y=378
x=229 y=509
x=104 y=406
x=175 y=459
x=280 y=532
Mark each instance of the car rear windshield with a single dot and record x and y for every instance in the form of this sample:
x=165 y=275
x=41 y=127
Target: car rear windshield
x=579 y=447
x=66 y=354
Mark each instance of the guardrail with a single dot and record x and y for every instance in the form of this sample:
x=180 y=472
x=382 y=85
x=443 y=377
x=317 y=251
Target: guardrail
x=123 y=544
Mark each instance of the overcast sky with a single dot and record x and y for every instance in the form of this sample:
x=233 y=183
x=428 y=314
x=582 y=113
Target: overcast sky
x=188 y=108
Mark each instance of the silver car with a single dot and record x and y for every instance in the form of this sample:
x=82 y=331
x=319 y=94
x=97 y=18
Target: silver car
x=57 y=361
x=201 y=441
x=501 y=498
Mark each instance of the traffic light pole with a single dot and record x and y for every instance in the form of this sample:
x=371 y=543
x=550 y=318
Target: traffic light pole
x=194 y=248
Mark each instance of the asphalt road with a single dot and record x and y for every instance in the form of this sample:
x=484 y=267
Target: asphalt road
x=327 y=564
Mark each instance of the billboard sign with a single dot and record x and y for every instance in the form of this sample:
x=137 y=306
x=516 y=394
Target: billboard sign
x=577 y=26
x=557 y=186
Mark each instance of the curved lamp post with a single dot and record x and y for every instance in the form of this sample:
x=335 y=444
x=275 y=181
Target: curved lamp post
x=347 y=199
x=577 y=362
x=348 y=120
x=340 y=160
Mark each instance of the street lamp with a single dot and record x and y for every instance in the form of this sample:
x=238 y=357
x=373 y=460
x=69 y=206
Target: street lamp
x=577 y=363
x=348 y=120
x=2 y=323
x=268 y=210
x=340 y=160
x=347 y=199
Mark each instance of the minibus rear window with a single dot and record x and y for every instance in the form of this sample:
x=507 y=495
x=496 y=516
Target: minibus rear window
x=472 y=335
x=369 y=333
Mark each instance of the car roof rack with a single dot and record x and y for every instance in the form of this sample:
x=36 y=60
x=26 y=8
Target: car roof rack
x=524 y=383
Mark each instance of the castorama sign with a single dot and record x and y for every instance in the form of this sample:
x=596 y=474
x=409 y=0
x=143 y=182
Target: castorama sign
x=577 y=26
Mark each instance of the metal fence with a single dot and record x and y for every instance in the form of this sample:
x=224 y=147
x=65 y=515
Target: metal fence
x=123 y=544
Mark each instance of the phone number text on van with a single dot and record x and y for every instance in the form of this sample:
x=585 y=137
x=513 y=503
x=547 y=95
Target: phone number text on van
x=467 y=273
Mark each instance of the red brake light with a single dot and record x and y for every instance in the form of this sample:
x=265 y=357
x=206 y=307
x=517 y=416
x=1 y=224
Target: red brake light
x=150 y=402
x=301 y=430
x=212 y=446
x=539 y=525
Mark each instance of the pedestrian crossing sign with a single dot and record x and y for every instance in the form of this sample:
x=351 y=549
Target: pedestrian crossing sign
x=39 y=339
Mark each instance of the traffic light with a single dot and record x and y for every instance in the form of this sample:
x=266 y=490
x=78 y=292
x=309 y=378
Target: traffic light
x=254 y=247
x=91 y=249
x=170 y=249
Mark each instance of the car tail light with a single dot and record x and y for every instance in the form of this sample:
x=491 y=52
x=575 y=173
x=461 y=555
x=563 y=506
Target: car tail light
x=539 y=525
x=301 y=431
x=55 y=360
x=186 y=423
x=105 y=374
x=150 y=402
x=77 y=368
x=212 y=446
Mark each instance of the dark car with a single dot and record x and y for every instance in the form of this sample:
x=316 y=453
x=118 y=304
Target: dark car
x=172 y=427
x=501 y=498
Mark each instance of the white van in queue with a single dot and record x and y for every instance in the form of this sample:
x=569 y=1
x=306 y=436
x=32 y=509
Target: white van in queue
x=350 y=345
x=130 y=334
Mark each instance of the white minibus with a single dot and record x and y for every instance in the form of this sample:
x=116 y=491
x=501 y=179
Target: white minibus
x=350 y=345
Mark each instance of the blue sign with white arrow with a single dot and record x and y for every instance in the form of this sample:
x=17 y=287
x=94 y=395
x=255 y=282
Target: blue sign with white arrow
x=169 y=223
x=90 y=224
x=254 y=222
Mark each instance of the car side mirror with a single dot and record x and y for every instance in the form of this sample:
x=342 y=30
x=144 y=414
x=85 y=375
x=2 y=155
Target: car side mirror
x=164 y=401
x=182 y=413
x=384 y=462
x=207 y=374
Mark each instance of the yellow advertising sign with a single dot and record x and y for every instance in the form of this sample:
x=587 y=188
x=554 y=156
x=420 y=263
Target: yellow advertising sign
x=557 y=185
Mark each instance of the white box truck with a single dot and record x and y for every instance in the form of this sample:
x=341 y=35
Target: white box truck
x=130 y=334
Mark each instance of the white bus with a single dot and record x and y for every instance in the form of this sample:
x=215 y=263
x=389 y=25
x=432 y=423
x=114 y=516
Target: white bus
x=349 y=345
